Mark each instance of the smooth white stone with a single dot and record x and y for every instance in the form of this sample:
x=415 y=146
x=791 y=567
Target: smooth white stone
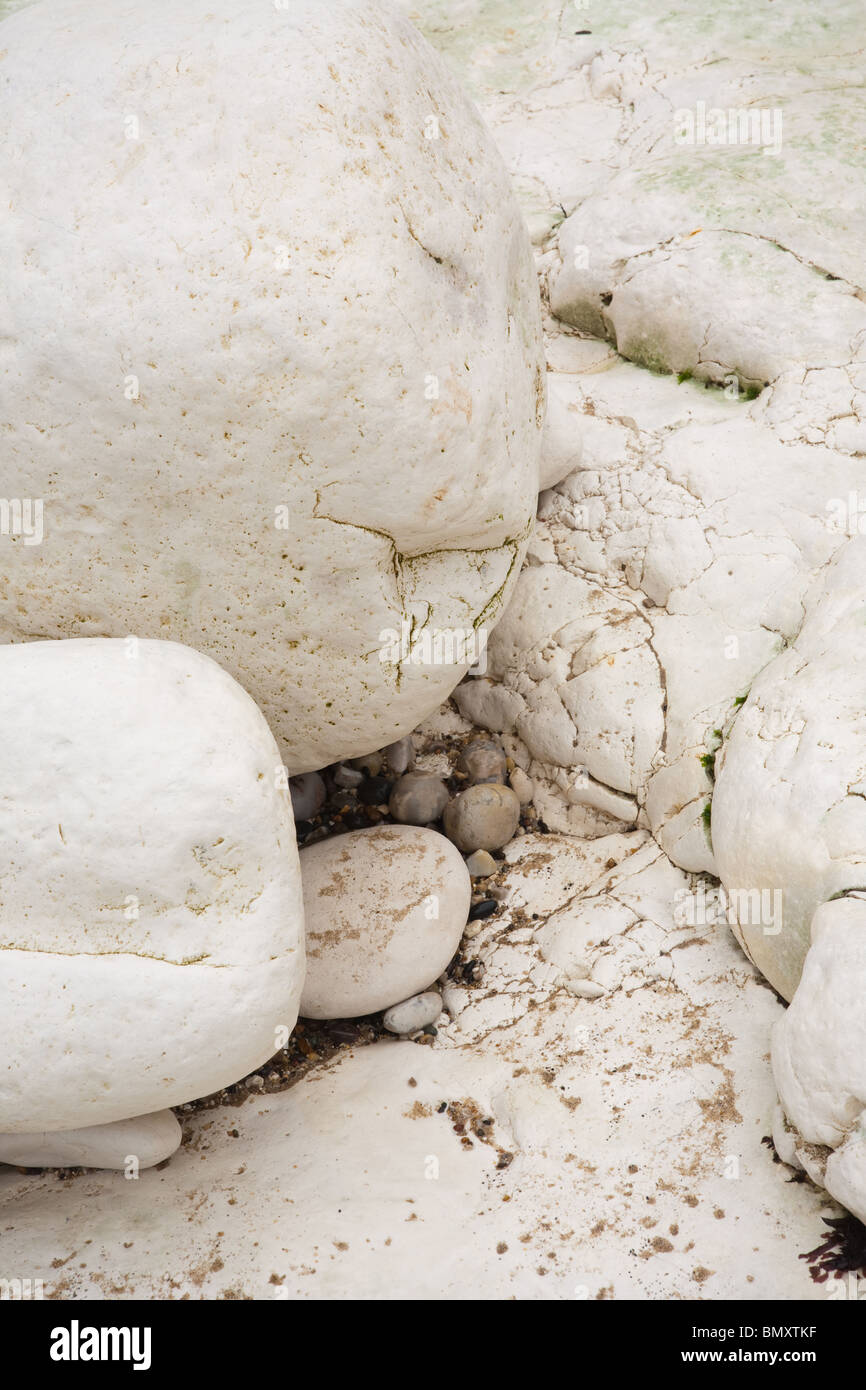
x=132 y=1144
x=482 y=817
x=385 y=910
x=481 y=864
x=418 y=1012
x=151 y=913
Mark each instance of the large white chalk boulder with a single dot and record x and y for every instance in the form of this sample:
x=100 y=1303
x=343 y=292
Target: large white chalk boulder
x=789 y=805
x=819 y=1057
x=272 y=351
x=151 y=919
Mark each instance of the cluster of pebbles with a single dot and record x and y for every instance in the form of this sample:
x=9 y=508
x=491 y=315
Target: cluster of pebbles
x=478 y=804
x=477 y=798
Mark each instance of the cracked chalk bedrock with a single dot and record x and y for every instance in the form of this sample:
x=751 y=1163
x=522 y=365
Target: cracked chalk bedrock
x=603 y=1074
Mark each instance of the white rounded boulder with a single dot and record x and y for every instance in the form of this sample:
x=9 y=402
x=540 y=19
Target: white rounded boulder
x=385 y=910
x=151 y=927
x=789 y=803
x=272 y=352
x=819 y=1056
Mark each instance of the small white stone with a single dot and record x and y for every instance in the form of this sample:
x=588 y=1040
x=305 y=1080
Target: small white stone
x=481 y=864
x=141 y=1142
x=347 y=777
x=308 y=795
x=587 y=792
x=522 y=786
x=418 y=1012
x=585 y=989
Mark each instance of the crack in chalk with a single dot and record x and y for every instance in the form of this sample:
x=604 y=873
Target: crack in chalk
x=400 y=560
x=856 y=290
x=202 y=959
x=415 y=237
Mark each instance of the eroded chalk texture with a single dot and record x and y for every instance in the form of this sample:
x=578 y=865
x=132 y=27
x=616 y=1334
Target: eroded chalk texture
x=273 y=352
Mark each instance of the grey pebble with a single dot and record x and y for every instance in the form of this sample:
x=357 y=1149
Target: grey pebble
x=417 y=798
x=308 y=795
x=482 y=761
x=421 y=1011
x=400 y=755
x=482 y=817
x=347 y=777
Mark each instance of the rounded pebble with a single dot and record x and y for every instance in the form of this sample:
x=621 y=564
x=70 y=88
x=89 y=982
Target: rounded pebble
x=418 y=798
x=585 y=989
x=486 y=908
x=482 y=817
x=420 y=1011
x=347 y=777
x=400 y=755
x=308 y=795
x=371 y=763
x=481 y=864
x=522 y=786
x=385 y=909
x=482 y=761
